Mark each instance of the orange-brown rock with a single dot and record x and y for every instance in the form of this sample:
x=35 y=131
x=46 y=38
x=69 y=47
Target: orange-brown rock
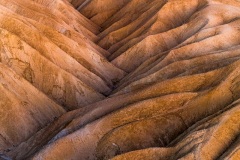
x=120 y=79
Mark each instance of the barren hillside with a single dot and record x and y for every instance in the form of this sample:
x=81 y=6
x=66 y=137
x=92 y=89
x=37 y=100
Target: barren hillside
x=120 y=79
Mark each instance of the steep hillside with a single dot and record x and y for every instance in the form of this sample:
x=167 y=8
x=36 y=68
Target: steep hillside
x=120 y=79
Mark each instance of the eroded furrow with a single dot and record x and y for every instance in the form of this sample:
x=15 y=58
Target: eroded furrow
x=119 y=79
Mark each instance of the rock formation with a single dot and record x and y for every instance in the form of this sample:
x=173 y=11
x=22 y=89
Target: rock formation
x=120 y=79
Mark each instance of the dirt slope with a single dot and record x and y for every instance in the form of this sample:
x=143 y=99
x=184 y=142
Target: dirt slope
x=120 y=79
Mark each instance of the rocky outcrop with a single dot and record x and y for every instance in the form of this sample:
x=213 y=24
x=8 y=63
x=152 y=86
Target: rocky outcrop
x=125 y=79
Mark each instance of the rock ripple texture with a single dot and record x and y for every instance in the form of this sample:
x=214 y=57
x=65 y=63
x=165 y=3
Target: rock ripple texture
x=120 y=79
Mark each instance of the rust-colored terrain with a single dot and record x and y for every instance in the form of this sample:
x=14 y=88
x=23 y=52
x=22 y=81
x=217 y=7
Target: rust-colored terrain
x=120 y=79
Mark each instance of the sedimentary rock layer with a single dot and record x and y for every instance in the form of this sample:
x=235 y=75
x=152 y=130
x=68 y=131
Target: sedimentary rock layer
x=120 y=79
